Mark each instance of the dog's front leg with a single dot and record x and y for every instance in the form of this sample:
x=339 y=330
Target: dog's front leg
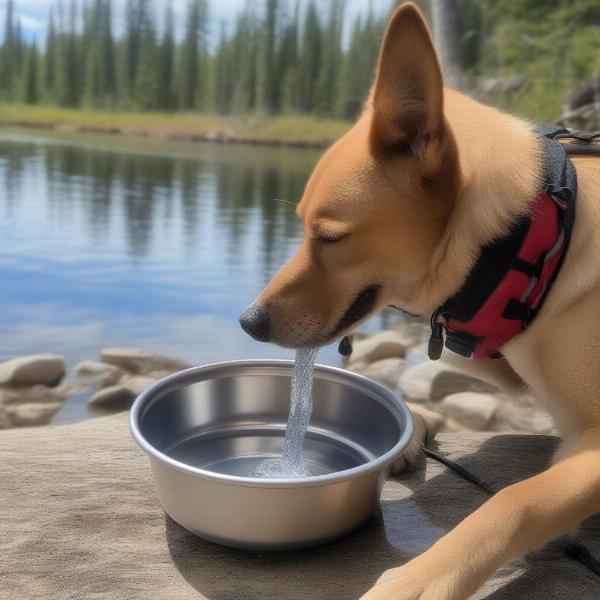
x=516 y=520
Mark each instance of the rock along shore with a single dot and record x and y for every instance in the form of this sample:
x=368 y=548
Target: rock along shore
x=33 y=388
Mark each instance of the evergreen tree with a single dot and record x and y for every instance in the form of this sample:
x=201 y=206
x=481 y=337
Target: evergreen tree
x=192 y=55
x=146 y=90
x=67 y=60
x=331 y=60
x=351 y=82
x=358 y=68
x=310 y=59
x=288 y=67
x=9 y=51
x=166 y=90
x=131 y=48
x=30 y=92
x=246 y=45
x=223 y=74
x=50 y=60
x=267 y=75
x=100 y=79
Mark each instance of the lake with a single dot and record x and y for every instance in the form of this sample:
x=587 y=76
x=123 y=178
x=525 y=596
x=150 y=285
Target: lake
x=106 y=241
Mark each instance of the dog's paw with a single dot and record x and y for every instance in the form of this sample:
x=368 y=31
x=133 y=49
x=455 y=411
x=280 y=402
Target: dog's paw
x=427 y=426
x=409 y=582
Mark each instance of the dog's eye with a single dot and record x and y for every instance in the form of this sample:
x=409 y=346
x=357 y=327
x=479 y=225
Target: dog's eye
x=330 y=239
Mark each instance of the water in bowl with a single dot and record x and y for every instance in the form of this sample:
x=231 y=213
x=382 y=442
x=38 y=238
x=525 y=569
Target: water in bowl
x=290 y=464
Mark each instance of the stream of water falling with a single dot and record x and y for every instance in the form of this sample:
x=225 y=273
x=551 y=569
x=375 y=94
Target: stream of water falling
x=291 y=464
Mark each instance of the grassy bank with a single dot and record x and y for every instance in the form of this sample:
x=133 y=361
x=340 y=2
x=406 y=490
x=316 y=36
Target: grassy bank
x=285 y=130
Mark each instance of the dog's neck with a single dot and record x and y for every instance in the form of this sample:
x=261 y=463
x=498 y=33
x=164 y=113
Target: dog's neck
x=501 y=173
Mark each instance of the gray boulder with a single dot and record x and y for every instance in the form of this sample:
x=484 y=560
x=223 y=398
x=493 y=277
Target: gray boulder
x=137 y=383
x=101 y=374
x=415 y=383
x=385 y=371
x=139 y=362
x=114 y=397
x=470 y=408
x=46 y=369
x=32 y=413
x=35 y=394
x=385 y=344
x=446 y=383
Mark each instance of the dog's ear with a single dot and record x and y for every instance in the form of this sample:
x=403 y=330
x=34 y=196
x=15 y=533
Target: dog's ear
x=407 y=97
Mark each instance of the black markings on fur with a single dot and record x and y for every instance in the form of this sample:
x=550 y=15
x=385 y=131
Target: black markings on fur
x=362 y=305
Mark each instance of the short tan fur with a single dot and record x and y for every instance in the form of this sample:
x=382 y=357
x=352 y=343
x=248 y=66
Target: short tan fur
x=401 y=206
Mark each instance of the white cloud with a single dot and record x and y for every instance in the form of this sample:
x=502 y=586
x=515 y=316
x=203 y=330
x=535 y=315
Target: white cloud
x=30 y=23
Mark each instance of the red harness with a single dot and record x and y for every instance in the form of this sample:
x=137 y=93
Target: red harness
x=512 y=277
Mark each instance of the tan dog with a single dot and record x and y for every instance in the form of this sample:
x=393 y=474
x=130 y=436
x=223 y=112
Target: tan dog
x=395 y=214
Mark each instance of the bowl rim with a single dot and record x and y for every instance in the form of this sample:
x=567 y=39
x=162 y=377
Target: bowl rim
x=391 y=401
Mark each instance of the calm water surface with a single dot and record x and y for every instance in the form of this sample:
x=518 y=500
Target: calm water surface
x=106 y=242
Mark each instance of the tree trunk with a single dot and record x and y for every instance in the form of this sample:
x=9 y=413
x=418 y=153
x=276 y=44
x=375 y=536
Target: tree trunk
x=446 y=34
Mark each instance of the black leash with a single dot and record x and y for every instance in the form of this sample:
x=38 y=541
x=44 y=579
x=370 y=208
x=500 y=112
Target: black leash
x=571 y=548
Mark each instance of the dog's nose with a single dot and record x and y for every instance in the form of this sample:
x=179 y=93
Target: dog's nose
x=255 y=322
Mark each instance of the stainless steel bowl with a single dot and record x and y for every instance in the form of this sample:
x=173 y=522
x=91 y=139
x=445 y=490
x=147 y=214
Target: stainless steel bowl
x=205 y=429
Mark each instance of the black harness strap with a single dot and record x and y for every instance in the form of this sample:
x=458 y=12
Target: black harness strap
x=500 y=257
x=572 y=548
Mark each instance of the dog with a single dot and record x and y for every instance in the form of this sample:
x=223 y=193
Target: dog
x=396 y=213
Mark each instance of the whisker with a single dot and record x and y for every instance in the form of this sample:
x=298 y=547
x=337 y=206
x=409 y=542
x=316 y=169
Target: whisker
x=284 y=201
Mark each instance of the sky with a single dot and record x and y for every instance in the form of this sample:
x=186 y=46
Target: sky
x=33 y=14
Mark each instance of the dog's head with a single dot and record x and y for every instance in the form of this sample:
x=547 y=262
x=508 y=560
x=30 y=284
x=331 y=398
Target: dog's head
x=375 y=206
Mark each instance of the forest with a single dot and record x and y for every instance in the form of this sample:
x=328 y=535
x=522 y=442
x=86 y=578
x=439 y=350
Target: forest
x=286 y=56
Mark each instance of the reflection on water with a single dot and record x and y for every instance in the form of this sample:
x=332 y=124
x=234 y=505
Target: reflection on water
x=158 y=248
x=104 y=247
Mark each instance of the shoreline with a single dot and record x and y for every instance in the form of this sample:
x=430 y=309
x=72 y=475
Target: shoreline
x=294 y=131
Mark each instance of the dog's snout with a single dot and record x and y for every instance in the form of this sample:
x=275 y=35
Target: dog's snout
x=255 y=322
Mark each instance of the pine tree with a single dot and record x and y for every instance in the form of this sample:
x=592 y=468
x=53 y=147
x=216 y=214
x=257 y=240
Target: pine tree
x=331 y=60
x=68 y=91
x=267 y=76
x=30 y=91
x=8 y=53
x=359 y=64
x=245 y=44
x=310 y=60
x=50 y=60
x=146 y=91
x=351 y=89
x=192 y=55
x=108 y=81
x=166 y=90
x=288 y=67
x=224 y=74
x=100 y=80
x=131 y=48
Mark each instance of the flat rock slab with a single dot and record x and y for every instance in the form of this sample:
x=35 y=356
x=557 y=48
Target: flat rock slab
x=80 y=519
x=46 y=369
